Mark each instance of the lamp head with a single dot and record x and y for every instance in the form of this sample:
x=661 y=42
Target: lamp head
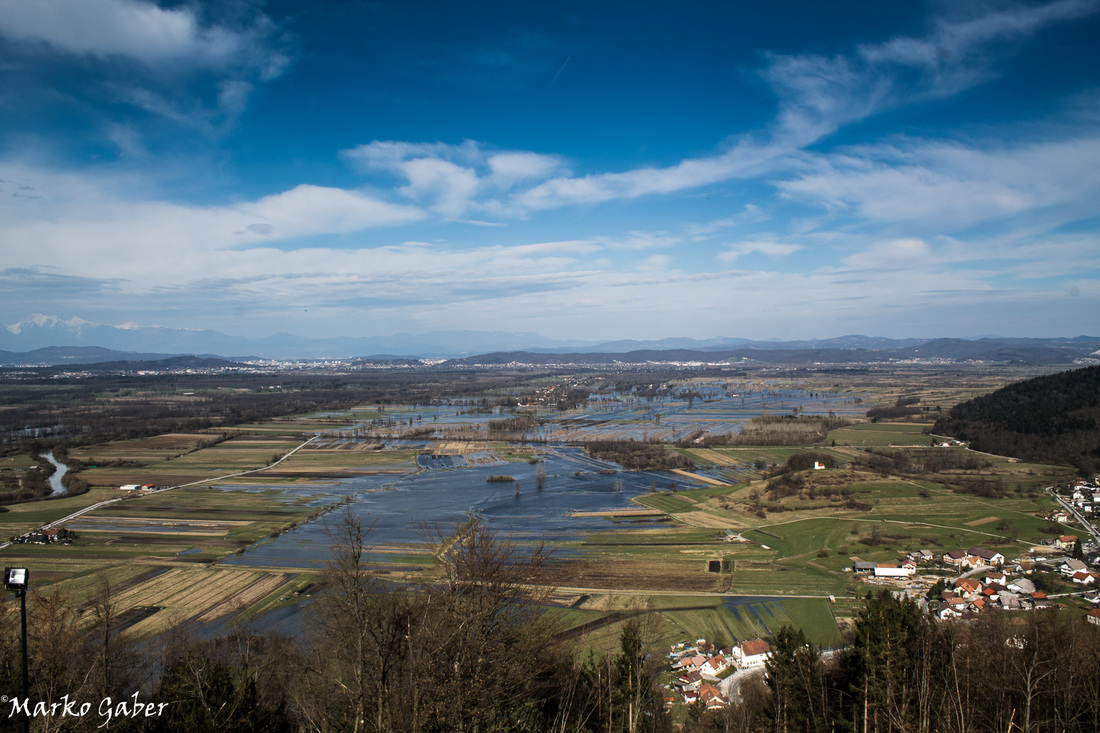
x=16 y=578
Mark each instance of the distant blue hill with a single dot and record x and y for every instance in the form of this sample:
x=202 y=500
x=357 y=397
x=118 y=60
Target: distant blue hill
x=49 y=340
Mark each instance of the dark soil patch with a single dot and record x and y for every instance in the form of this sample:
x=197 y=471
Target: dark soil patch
x=690 y=578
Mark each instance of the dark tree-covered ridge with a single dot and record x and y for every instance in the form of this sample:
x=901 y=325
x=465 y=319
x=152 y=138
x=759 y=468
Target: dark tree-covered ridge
x=1052 y=419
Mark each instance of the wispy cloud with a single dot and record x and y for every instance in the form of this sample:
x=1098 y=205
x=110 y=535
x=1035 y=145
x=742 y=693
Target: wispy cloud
x=170 y=62
x=139 y=30
x=770 y=249
x=453 y=179
x=934 y=185
x=818 y=95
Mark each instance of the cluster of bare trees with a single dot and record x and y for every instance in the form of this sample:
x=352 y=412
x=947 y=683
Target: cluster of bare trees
x=474 y=651
x=477 y=651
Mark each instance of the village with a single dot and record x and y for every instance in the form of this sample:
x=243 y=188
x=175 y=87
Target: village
x=952 y=586
x=986 y=579
x=704 y=674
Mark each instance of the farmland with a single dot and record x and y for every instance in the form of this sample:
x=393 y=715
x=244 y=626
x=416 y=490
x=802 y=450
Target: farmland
x=183 y=554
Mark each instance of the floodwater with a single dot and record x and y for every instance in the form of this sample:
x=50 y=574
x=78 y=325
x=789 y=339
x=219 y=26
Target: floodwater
x=447 y=490
x=404 y=510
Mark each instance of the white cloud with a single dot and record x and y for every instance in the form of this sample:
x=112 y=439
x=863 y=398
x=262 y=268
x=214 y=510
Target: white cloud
x=948 y=186
x=98 y=226
x=818 y=95
x=511 y=168
x=770 y=249
x=138 y=52
x=453 y=179
x=453 y=188
x=309 y=210
x=127 y=28
x=743 y=160
x=892 y=255
x=233 y=97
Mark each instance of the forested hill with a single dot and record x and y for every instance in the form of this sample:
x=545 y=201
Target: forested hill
x=1051 y=419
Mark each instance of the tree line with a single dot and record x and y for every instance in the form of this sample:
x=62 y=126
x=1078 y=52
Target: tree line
x=1051 y=419
x=638 y=455
x=478 y=651
x=474 y=651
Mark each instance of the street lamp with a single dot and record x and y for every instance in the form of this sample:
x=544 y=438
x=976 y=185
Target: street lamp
x=16 y=579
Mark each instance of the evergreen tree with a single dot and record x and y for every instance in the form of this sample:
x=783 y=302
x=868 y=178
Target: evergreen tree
x=796 y=678
x=885 y=664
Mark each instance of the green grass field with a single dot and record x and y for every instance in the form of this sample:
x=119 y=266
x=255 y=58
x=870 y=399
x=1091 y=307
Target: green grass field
x=880 y=434
x=738 y=618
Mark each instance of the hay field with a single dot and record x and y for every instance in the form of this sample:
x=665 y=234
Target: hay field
x=334 y=459
x=201 y=594
x=717 y=458
x=881 y=434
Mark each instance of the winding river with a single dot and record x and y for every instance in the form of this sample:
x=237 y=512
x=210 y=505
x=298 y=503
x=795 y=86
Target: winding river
x=55 y=478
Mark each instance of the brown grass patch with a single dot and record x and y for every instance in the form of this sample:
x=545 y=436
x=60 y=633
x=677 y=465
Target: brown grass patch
x=259 y=590
x=707 y=520
x=697 y=477
x=980 y=522
x=718 y=459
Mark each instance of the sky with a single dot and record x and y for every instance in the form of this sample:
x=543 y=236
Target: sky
x=587 y=170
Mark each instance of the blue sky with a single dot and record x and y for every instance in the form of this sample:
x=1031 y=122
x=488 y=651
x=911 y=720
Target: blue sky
x=575 y=169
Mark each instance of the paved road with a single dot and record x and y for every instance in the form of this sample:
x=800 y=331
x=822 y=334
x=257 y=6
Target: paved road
x=1073 y=511
x=731 y=686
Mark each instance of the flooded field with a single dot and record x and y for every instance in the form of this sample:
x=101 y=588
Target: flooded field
x=447 y=482
x=613 y=415
x=404 y=510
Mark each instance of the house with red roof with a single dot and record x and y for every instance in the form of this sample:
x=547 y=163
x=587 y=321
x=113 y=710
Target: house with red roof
x=752 y=653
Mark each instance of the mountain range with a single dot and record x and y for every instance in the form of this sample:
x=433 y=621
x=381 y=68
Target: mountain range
x=49 y=340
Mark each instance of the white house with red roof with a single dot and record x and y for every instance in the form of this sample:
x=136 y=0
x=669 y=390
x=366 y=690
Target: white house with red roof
x=752 y=653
